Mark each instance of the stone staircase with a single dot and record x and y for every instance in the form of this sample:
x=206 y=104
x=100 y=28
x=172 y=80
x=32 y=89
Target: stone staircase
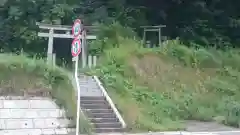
x=100 y=114
x=96 y=107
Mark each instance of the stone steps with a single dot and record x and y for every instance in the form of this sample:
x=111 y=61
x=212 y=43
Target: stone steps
x=96 y=107
x=103 y=120
x=107 y=125
x=108 y=130
x=100 y=115
x=99 y=110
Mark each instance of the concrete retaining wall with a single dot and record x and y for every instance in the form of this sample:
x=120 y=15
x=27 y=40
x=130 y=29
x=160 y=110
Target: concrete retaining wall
x=35 y=116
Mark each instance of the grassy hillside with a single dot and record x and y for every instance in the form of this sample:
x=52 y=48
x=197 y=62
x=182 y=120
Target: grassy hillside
x=157 y=89
x=22 y=76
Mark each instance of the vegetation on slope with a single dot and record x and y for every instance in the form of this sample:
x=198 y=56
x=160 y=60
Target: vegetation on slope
x=157 y=89
x=22 y=76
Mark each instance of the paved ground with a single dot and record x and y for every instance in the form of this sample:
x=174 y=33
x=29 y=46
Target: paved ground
x=35 y=116
x=182 y=133
x=197 y=126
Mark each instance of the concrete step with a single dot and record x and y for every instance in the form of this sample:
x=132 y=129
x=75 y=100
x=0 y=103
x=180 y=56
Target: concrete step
x=89 y=98
x=101 y=115
x=86 y=80
x=107 y=125
x=93 y=106
x=94 y=102
x=107 y=130
x=89 y=86
x=103 y=120
x=98 y=110
x=82 y=76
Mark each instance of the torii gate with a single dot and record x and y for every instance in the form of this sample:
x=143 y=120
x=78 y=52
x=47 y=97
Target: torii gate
x=153 y=29
x=64 y=31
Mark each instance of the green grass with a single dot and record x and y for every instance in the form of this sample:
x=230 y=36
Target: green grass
x=158 y=89
x=20 y=74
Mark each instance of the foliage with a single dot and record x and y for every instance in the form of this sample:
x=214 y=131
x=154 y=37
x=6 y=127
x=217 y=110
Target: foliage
x=110 y=36
x=158 y=83
x=213 y=23
x=21 y=73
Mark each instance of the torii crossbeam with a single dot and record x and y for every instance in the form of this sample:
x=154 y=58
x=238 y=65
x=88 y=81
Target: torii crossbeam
x=64 y=31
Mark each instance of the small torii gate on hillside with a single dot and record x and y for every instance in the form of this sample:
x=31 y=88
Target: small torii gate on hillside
x=153 y=29
x=64 y=31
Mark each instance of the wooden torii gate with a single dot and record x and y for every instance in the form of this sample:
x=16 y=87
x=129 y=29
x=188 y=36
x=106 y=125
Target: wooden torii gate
x=64 y=31
x=153 y=29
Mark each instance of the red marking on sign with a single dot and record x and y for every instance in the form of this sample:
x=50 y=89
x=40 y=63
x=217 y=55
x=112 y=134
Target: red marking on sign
x=76 y=47
x=76 y=28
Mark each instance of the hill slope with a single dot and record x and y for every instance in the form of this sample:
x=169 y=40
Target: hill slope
x=25 y=77
x=164 y=88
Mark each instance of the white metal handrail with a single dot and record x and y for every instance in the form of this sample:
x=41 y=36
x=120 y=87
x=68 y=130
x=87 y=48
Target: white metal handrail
x=110 y=101
x=74 y=85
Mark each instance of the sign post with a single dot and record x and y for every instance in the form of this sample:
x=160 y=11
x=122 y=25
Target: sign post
x=76 y=50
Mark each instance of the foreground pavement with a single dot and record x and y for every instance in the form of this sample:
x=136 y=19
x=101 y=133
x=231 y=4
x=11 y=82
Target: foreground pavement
x=180 y=133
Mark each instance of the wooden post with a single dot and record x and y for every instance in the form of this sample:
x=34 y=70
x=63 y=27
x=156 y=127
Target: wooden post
x=144 y=36
x=84 y=58
x=89 y=61
x=159 y=36
x=94 y=61
x=85 y=45
x=50 y=47
x=54 y=59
